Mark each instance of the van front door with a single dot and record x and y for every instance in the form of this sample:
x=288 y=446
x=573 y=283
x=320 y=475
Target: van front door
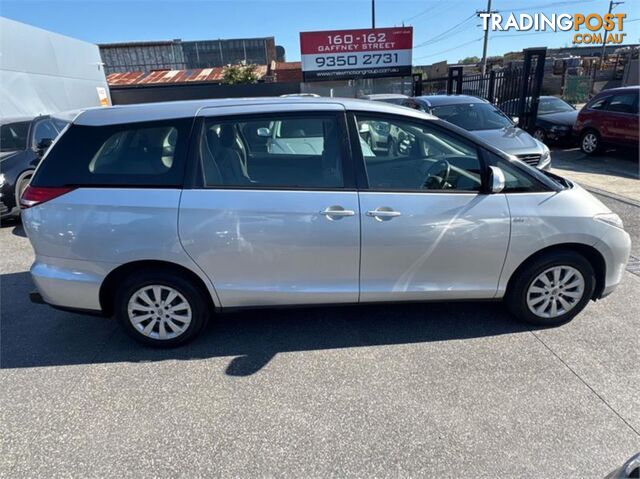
x=428 y=231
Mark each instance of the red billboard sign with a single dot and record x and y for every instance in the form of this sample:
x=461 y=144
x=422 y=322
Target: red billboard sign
x=364 y=53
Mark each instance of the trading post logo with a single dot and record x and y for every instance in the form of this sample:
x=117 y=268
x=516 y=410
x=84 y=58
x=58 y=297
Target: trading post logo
x=592 y=28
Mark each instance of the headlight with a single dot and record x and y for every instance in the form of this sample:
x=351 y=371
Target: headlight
x=545 y=158
x=2 y=179
x=610 y=219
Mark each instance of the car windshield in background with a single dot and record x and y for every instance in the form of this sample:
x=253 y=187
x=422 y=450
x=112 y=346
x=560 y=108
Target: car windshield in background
x=552 y=105
x=473 y=116
x=13 y=136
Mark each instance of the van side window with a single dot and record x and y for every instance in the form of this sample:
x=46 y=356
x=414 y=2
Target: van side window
x=130 y=154
x=272 y=151
x=401 y=154
x=146 y=151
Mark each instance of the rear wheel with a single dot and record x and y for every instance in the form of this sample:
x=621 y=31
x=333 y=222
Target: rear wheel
x=160 y=309
x=590 y=142
x=552 y=289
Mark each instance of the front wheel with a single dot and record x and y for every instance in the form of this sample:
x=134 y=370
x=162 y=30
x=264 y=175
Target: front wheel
x=540 y=135
x=160 y=309
x=590 y=142
x=552 y=289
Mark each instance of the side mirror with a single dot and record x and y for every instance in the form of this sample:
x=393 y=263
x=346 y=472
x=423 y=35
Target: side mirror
x=43 y=146
x=264 y=132
x=497 y=181
x=364 y=128
x=515 y=119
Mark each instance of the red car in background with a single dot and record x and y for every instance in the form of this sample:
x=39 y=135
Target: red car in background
x=609 y=119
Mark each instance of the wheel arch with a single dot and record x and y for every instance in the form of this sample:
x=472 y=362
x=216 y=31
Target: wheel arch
x=115 y=277
x=590 y=253
x=23 y=174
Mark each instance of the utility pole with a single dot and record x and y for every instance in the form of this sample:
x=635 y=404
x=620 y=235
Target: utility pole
x=612 y=5
x=486 y=38
x=373 y=13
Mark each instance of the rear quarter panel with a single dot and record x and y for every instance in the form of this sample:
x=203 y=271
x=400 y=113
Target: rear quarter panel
x=110 y=227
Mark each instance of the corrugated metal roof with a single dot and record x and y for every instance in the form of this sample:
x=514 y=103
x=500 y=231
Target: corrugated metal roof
x=173 y=76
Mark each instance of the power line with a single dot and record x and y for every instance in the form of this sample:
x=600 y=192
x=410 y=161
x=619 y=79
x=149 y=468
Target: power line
x=547 y=5
x=427 y=10
x=442 y=36
x=450 y=49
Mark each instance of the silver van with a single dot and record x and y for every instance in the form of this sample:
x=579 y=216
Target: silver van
x=163 y=214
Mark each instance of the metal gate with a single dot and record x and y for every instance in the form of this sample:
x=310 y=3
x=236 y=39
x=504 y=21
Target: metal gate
x=515 y=90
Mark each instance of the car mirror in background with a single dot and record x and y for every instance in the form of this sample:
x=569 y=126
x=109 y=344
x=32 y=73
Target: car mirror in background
x=43 y=146
x=364 y=128
x=264 y=132
x=497 y=180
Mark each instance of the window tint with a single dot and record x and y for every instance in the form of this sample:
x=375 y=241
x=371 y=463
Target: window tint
x=44 y=129
x=145 y=151
x=272 y=151
x=623 y=103
x=405 y=155
x=136 y=154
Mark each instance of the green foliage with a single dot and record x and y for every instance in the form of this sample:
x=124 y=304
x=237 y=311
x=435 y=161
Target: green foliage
x=469 y=60
x=240 y=73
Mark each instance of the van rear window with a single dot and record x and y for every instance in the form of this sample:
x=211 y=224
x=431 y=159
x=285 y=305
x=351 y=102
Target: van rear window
x=133 y=154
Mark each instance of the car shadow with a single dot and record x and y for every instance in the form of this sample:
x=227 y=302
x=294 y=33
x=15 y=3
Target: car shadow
x=34 y=335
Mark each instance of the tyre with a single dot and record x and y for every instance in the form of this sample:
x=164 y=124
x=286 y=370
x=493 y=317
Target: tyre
x=21 y=185
x=160 y=308
x=540 y=135
x=590 y=142
x=551 y=290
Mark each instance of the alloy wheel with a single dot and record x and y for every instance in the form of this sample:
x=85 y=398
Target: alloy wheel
x=589 y=143
x=555 y=291
x=159 y=312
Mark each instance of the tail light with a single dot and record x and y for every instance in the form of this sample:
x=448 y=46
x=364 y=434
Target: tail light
x=34 y=195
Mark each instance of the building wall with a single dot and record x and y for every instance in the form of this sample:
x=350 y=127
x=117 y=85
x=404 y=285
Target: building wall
x=42 y=72
x=142 y=57
x=179 y=55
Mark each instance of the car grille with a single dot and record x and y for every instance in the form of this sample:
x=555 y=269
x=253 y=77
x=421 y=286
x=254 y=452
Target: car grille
x=532 y=160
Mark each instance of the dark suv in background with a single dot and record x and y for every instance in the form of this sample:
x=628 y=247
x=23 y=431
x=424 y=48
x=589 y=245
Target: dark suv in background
x=23 y=143
x=609 y=119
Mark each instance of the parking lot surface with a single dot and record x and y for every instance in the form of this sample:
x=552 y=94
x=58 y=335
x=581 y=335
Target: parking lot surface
x=447 y=390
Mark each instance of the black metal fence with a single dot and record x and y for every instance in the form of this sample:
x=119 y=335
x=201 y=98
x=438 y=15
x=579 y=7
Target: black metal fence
x=515 y=90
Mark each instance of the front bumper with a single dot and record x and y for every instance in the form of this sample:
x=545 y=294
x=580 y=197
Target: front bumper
x=615 y=247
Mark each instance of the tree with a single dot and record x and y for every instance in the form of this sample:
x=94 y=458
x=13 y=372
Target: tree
x=240 y=73
x=469 y=60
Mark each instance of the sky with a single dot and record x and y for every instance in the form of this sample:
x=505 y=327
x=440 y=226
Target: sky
x=103 y=21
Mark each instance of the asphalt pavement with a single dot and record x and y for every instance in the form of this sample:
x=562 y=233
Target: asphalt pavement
x=420 y=390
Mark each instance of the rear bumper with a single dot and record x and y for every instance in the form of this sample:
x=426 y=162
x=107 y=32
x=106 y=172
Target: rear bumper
x=68 y=284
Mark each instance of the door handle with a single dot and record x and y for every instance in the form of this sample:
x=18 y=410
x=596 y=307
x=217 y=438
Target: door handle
x=383 y=213
x=337 y=212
